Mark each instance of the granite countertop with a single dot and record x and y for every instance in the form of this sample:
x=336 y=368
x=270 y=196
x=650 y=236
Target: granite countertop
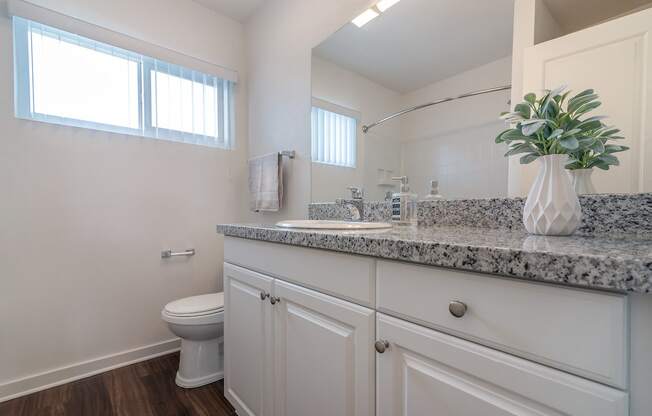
x=621 y=263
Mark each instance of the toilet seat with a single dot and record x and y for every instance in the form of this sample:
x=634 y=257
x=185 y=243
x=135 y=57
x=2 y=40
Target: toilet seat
x=214 y=317
x=195 y=310
x=196 y=305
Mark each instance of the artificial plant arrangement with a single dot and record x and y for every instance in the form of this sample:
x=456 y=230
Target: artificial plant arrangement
x=553 y=124
x=554 y=129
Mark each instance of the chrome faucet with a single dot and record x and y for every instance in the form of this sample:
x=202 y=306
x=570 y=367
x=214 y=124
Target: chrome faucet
x=355 y=205
x=356 y=193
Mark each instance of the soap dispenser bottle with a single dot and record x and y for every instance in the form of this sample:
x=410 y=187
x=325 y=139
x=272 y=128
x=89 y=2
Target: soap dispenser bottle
x=434 y=194
x=404 y=204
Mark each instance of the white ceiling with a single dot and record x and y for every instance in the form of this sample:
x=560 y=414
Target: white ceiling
x=239 y=10
x=573 y=15
x=418 y=42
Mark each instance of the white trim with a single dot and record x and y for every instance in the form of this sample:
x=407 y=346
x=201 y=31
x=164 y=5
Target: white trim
x=62 y=375
x=336 y=108
x=71 y=24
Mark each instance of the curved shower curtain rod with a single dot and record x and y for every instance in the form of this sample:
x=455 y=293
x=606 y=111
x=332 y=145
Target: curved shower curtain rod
x=422 y=106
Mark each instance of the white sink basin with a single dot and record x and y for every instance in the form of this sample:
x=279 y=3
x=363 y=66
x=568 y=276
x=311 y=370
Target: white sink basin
x=333 y=225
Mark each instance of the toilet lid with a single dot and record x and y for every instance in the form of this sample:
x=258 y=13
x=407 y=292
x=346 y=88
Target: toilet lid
x=195 y=305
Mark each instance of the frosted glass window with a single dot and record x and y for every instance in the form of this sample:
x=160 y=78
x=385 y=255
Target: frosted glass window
x=334 y=138
x=67 y=79
x=65 y=76
x=174 y=95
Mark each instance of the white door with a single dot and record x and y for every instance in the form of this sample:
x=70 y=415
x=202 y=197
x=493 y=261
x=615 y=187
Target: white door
x=424 y=373
x=323 y=354
x=614 y=59
x=248 y=341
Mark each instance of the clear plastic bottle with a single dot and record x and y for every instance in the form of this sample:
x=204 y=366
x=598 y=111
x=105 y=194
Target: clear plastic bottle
x=404 y=204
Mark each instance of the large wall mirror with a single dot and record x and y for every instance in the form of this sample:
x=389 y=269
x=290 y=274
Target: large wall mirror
x=409 y=52
x=414 y=52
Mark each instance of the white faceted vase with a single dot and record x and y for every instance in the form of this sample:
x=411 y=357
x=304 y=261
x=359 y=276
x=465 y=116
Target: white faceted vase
x=581 y=181
x=552 y=206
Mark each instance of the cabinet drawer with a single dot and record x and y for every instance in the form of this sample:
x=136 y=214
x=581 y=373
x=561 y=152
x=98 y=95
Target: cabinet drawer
x=579 y=331
x=422 y=370
x=346 y=276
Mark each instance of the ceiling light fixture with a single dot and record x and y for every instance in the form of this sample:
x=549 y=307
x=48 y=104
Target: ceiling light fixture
x=373 y=12
x=365 y=17
x=386 y=4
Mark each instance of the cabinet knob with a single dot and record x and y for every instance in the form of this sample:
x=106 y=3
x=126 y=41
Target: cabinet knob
x=381 y=345
x=457 y=308
x=263 y=295
x=274 y=300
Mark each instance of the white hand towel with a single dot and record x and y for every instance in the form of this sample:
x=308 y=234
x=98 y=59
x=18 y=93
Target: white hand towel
x=266 y=182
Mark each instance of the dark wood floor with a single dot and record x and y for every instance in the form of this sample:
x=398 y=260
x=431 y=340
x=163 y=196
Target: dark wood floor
x=141 y=389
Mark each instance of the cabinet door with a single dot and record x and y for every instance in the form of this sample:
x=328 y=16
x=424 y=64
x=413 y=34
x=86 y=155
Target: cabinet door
x=247 y=341
x=424 y=372
x=613 y=58
x=323 y=354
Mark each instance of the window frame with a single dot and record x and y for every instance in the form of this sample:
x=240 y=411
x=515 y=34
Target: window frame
x=151 y=65
x=341 y=111
x=23 y=90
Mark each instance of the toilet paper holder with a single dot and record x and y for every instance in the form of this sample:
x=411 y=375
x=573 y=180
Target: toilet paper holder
x=169 y=253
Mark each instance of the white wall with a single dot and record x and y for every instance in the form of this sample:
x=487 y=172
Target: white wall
x=546 y=27
x=533 y=24
x=454 y=142
x=280 y=38
x=380 y=148
x=85 y=214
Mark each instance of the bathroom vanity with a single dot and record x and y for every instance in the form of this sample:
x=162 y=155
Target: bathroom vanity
x=405 y=321
x=465 y=314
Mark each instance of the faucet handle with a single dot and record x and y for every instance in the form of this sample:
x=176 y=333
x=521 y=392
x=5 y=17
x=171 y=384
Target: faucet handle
x=356 y=193
x=404 y=183
x=402 y=179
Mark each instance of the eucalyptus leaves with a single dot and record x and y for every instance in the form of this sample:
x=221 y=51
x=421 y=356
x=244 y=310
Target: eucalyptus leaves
x=553 y=125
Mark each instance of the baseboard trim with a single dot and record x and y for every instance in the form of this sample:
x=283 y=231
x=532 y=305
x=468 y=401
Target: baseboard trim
x=62 y=375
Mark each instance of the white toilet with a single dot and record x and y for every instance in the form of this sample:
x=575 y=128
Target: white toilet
x=199 y=322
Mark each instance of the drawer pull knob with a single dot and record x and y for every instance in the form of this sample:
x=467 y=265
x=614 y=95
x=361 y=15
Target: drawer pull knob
x=457 y=308
x=274 y=300
x=381 y=345
x=263 y=295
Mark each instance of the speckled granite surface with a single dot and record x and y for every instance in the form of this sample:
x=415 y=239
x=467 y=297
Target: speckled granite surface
x=505 y=213
x=373 y=211
x=616 y=263
x=607 y=214
x=616 y=214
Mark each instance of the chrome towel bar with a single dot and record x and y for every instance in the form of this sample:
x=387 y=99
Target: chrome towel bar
x=169 y=253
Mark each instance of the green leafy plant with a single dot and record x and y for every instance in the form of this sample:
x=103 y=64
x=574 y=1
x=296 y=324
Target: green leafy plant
x=554 y=124
x=595 y=151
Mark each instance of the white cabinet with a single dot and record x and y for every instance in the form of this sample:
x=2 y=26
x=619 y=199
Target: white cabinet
x=292 y=351
x=323 y=354
x=305 y=348
x=247 y=342
x=424 y=372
